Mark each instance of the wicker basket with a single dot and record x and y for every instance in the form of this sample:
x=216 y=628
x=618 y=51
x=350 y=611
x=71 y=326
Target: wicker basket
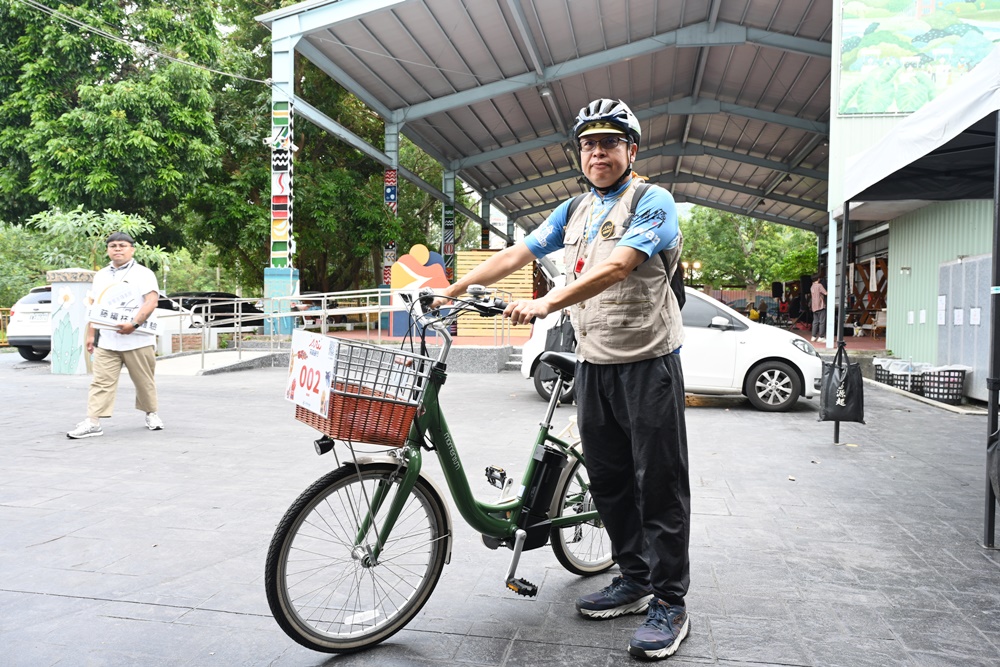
x=374 y=396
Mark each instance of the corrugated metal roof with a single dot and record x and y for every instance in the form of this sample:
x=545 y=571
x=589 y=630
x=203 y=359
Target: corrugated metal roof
x=733 y=97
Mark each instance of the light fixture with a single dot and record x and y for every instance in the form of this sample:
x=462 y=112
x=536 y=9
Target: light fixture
x=545 y=91
x=904 y=270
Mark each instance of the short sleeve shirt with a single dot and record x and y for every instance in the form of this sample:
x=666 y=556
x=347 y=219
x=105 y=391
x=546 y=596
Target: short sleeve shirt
x=142 y=281
x=654 y=227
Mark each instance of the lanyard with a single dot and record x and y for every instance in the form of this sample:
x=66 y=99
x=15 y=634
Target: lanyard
x=599 y=211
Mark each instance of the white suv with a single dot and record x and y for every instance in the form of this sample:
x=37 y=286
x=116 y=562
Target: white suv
x=28 y=328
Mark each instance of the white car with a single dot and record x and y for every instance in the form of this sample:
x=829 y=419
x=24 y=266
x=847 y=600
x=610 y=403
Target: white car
x=30 y=329
x=723 y=353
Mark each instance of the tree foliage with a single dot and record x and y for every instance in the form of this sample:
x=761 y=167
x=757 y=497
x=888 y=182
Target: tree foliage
x=89 y=121
x=740 y=250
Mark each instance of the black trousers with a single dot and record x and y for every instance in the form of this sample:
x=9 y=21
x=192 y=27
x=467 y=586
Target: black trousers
x=631 y=419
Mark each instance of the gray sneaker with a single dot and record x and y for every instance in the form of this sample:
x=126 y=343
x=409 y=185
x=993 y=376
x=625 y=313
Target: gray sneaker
x=660 y=636
x=85 y=429
x=153 y=422
x=622 y=596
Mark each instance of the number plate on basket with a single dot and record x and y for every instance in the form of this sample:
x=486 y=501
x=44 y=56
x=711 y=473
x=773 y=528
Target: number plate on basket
x=311 y=370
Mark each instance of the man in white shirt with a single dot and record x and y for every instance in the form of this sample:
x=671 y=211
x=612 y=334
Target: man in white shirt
x=125 y=295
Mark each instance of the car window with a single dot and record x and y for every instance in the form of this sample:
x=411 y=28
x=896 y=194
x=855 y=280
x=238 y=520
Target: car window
x=698 y=313
x=37 y=297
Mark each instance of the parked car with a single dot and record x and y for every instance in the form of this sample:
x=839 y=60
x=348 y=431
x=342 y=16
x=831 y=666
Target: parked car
x=724 y=353
x=28 y=329
x=219 y=306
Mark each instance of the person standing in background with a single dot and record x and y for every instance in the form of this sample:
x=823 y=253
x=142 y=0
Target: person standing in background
x=818 y=304
x=136 y=288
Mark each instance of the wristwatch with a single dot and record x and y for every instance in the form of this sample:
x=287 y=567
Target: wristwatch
x=135 y=325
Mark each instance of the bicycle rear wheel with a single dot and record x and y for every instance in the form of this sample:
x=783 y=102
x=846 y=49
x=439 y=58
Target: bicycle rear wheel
x=583 y=548
x=324 y=590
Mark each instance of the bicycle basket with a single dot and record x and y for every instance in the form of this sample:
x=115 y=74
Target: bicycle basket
x=374 y=394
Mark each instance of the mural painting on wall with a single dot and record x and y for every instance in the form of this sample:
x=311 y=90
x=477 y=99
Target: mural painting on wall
x=281 y=184
x=413 y=271
x=897 y=55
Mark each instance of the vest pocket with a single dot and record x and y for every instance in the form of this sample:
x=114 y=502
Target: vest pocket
x=629 y=324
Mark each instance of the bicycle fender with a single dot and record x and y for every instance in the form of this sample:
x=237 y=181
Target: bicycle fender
x=366 y=459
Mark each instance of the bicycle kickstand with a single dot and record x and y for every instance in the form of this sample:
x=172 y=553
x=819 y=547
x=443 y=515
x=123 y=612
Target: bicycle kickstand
x=519 y=586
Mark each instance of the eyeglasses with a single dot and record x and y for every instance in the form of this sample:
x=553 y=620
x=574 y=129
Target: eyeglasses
x=607 y=143
x=119 y=246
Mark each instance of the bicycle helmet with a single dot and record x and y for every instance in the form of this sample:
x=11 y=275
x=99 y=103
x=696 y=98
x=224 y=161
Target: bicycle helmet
x=606 y=115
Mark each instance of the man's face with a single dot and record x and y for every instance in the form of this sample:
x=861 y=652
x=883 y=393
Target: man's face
x=120 y=252
x=603 y=166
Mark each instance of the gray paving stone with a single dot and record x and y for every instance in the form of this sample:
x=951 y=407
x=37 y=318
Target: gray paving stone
x=871 y=557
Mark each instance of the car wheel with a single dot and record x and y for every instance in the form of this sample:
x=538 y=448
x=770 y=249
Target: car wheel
x=33 y=353
x=773 y=386
x=544 y=389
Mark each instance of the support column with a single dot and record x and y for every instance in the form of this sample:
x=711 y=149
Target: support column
x=448 y=225
x=281 y=279
x=831 y=280
x=392 y=171
x=484 y=213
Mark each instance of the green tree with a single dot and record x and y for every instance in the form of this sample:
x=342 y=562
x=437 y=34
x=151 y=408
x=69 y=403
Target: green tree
x=740 y=250
x=86 y=120
x=78 y=238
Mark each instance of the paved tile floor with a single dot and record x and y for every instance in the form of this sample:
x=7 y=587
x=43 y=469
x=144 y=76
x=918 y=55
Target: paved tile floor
x=147 y=549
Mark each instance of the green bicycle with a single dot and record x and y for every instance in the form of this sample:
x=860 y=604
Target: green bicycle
x=359 y=552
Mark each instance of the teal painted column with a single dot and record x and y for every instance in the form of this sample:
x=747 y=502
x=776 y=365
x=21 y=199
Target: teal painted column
x=278 y=284
x=70 y=303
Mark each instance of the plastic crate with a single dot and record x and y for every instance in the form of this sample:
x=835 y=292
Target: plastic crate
x=945 y=386
x=911 y=382
x=882 y=375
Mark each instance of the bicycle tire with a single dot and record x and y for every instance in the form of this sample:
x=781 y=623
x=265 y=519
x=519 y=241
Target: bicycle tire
x=583 y=548
x=319 y=587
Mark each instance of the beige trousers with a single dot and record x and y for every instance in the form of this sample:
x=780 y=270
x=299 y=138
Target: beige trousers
x=141 y=365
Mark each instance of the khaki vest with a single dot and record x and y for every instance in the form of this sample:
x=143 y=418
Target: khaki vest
x=633 y=320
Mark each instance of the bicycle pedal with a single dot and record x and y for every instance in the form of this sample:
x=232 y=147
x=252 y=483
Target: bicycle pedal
x=522 y=587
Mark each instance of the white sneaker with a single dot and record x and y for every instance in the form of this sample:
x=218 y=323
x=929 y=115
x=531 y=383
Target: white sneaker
x=153 y=422
x=820 y=340
x=86 y=429
x=813 y=339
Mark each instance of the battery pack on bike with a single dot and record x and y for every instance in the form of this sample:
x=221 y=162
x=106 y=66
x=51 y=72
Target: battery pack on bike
x=534 y=519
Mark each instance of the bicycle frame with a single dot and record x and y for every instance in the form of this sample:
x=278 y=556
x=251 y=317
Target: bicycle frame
x=496 y=520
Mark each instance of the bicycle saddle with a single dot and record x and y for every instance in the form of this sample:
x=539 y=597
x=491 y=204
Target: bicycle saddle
x=563 y=363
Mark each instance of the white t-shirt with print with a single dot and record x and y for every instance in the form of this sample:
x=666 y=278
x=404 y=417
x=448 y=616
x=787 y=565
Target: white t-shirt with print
x=142 y=281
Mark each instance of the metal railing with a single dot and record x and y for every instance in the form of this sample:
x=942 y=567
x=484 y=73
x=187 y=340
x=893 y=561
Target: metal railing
x=273 y=319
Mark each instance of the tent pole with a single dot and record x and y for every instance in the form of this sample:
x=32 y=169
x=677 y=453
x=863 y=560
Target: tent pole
x=993 y=378
x=840 y=315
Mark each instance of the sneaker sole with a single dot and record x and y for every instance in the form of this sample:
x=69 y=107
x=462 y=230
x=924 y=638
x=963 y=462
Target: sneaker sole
x=155 y=428
x=638 y=607
x=85 y=435
x=664 y=652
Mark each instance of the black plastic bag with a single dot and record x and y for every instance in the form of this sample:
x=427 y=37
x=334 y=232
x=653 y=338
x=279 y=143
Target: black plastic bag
x=842 y=390
x=560 y=338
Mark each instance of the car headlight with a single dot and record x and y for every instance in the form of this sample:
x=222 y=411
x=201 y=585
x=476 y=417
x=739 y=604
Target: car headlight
x=804 y=345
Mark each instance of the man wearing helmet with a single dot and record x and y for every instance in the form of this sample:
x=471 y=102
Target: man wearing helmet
x=629 y=383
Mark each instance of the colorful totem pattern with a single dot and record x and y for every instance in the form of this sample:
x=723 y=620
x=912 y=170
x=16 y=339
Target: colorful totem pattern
x=281 y=184
x=391 y=190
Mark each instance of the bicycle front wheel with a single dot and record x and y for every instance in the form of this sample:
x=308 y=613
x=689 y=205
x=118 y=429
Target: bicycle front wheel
x=324 y=586
x=583 y=548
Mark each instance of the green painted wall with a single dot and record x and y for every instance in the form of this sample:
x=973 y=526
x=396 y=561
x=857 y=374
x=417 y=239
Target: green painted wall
x=923 y=240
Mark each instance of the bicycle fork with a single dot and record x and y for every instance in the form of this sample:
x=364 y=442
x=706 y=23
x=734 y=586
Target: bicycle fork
x=363 y=550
